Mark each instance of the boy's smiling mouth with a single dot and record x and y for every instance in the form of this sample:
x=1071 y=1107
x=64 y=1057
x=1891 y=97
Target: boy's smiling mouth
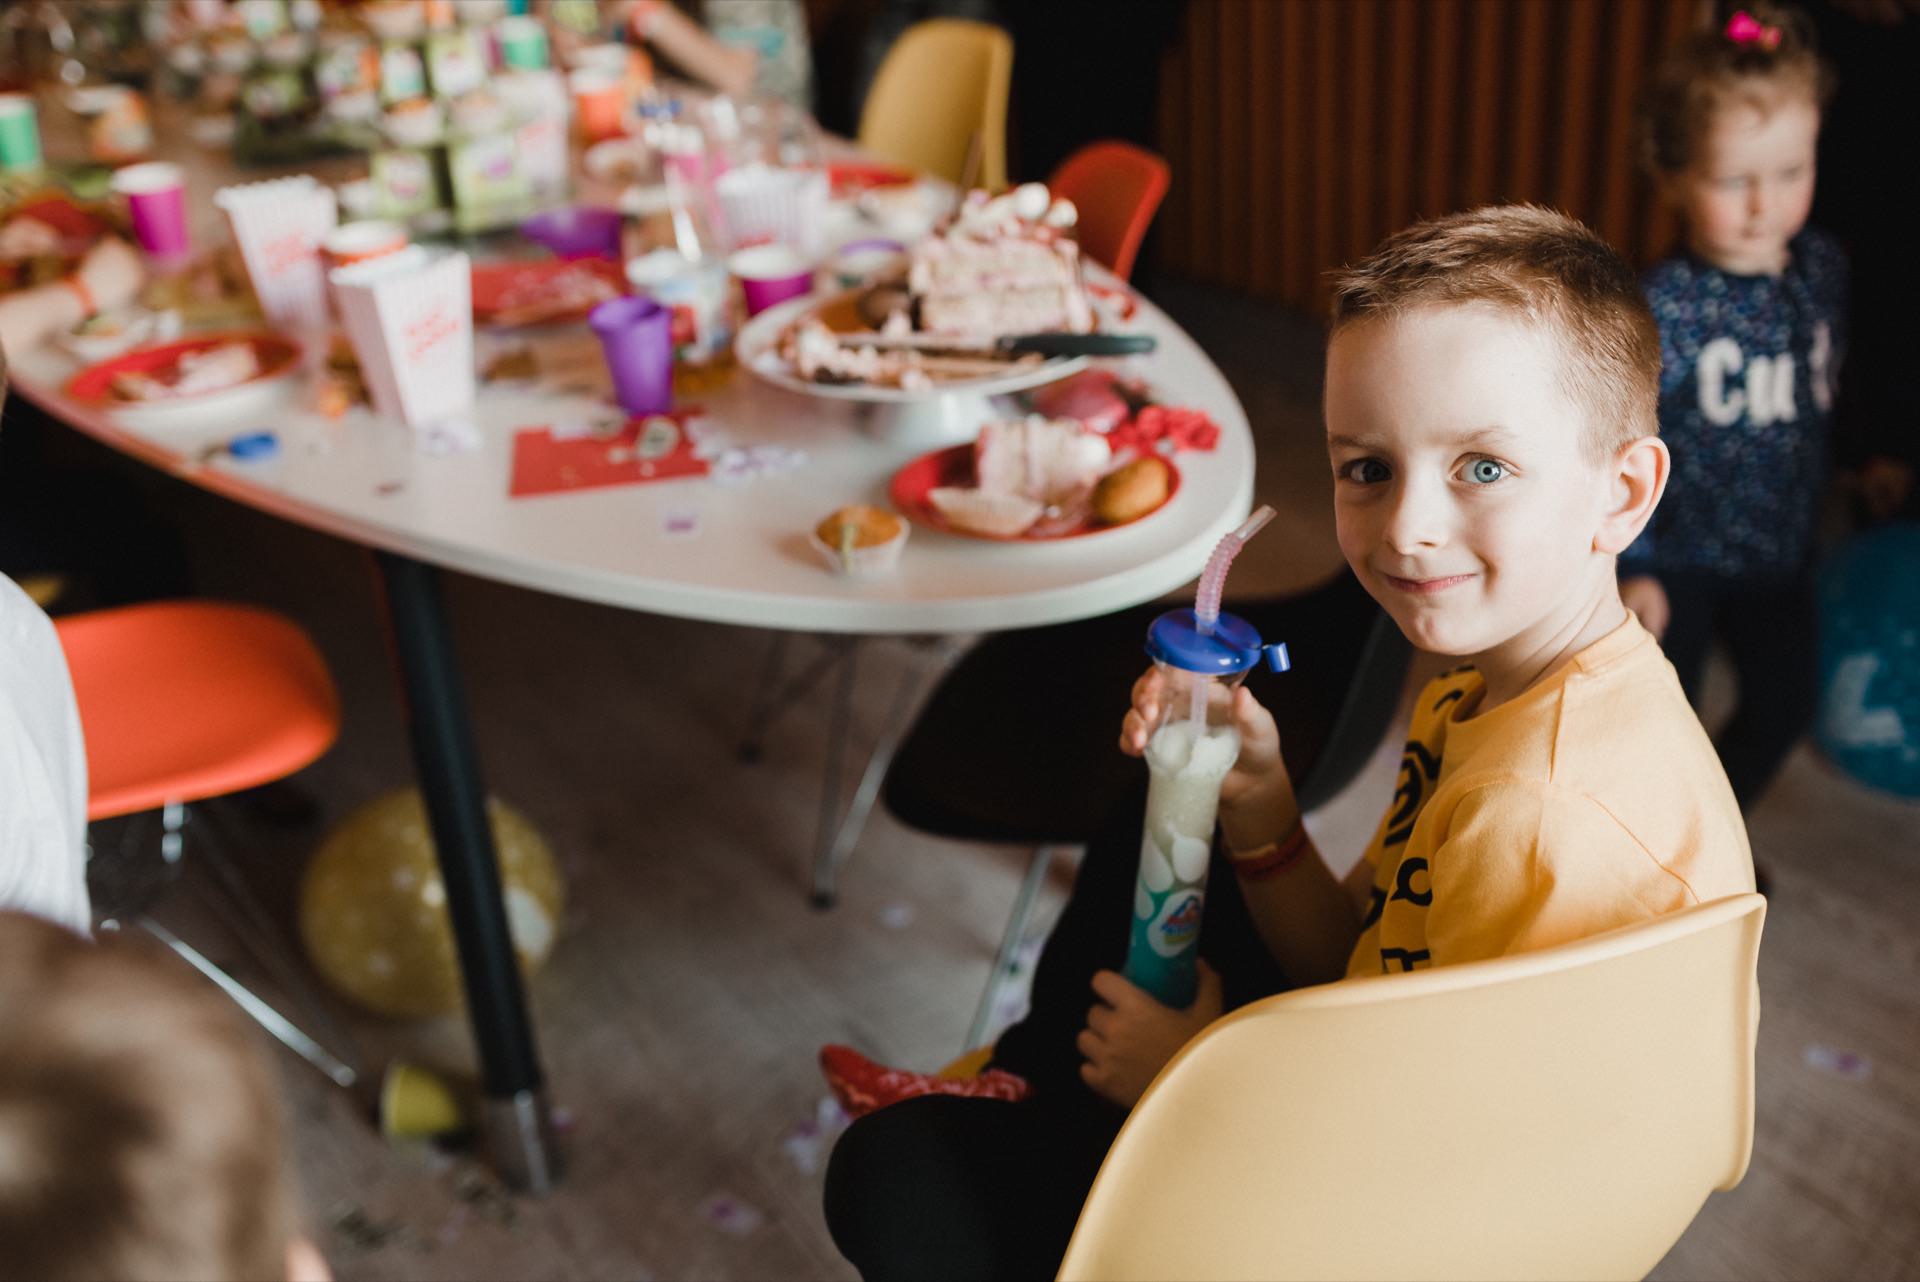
x=1425 y=587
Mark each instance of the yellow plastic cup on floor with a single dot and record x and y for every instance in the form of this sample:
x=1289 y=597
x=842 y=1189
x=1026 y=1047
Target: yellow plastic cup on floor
x=415 y=1103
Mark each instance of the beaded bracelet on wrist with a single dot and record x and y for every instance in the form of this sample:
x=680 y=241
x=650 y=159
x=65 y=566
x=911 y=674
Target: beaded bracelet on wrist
x=1274 y=857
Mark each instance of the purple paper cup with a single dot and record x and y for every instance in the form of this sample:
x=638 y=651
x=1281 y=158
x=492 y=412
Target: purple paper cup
x=156 y=195
x=581 y=231
x=636 y=335
x=771 y=274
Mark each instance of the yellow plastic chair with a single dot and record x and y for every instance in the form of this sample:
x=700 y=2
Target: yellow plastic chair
x=1559 y=1114
x=941 y=92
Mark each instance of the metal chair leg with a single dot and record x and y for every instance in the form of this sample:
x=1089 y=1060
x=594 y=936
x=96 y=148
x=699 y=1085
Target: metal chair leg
x=754 y=745
x=243 y=913
x=838 y=724
x=829 y=858
x=1010 y=941
x=263 y=1014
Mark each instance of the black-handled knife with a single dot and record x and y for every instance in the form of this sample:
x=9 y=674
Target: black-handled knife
x=1078 y=344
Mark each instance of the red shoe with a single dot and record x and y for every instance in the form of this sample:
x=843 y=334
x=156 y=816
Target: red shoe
x=862 y=1085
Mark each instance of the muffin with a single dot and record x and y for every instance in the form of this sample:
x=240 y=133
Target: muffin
x=860 y=540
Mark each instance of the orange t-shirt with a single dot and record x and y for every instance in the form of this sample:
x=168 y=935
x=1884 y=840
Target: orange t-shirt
x=1591 y=800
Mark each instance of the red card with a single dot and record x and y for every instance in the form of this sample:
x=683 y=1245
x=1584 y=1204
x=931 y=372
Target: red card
x=653 y=448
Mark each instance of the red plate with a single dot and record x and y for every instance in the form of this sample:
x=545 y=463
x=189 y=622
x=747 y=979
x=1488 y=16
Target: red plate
x=854 y=177
x=93 y=386
x=499 y=287
x=954 y=466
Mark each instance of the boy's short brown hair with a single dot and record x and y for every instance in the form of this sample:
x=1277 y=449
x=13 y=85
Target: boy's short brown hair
x=1712 y=70
x=139 y=1130
x=1550 y=269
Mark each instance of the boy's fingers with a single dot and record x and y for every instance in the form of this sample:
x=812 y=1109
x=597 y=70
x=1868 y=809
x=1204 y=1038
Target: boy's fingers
x=1100 y=1018
x=1115 y=990
x=1089 y=1045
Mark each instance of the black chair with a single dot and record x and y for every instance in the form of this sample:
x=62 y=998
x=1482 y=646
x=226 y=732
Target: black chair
x=1019 y=743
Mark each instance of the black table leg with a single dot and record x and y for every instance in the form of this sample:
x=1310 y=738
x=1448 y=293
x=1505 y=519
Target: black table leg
x=516 y=1121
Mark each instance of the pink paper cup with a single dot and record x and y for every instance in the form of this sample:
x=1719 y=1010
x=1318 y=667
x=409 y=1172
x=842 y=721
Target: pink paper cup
x=771 y=274
x=156 y=195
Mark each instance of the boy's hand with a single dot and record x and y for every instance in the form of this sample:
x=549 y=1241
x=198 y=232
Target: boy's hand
x=1645 y=597
x=1259 y=767
x=1129 y=1036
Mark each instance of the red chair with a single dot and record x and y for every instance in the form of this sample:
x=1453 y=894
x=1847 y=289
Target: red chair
x=185 y=701
x=1117 y=187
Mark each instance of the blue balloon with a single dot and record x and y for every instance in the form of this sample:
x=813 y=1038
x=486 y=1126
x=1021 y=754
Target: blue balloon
x=1869 y=723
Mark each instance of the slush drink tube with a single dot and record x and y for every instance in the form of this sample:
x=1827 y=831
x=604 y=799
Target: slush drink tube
x=1185 y=764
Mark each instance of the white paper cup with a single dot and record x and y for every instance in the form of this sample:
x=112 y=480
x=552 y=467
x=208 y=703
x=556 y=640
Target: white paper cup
x=351 y=243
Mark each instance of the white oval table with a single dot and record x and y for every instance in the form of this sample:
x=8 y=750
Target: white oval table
x=699 y=549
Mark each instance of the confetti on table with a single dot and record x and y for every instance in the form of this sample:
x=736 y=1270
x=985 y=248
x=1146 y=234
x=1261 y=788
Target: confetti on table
x=739 y=466
x=450 y=436
x=1846 y=1064
x=681 y=522
x=731 y=1215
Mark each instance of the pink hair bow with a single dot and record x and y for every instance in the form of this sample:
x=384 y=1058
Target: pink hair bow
x=1745 y=29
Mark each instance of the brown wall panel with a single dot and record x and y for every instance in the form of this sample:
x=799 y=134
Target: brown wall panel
x=1302 y=131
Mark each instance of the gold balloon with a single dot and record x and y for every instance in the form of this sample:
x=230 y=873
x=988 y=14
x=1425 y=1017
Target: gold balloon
x=373 y=910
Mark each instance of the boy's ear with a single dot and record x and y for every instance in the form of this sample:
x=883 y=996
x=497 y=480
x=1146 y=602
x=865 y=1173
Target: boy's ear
x=1636 y=479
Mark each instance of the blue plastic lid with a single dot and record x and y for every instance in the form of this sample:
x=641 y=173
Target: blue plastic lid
x=1233 y=646
x=254 y=445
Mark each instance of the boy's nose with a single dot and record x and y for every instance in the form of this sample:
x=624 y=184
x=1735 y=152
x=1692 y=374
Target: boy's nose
x=1416 y=519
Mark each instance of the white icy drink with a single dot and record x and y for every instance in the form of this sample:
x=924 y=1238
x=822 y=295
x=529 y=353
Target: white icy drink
x=1186 y=763
x=1202 y=654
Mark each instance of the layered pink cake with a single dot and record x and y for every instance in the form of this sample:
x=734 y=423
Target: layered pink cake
x=1003 y=265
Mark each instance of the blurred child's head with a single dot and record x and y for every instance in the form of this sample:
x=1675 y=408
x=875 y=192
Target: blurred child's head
x=1729 y=129
x=1492 y=379
x=139 y=1128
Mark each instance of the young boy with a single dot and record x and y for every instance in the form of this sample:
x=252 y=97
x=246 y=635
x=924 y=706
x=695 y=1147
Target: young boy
x=43 y=765
x=1490 y=396
x=139 y=1126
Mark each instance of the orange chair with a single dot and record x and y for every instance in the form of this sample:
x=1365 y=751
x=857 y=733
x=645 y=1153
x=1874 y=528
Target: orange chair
x=184 y=701
x=1117 y=187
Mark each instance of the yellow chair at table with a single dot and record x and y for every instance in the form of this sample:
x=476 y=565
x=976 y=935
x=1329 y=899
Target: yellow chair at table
x=940 y=92
x=1558 y=1114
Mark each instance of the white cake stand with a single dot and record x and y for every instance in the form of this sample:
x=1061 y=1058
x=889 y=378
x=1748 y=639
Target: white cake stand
x=946 y=414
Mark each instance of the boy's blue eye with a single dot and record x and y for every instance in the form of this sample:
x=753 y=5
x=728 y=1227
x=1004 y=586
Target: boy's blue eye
x=1485 y=471
x=1366 y=471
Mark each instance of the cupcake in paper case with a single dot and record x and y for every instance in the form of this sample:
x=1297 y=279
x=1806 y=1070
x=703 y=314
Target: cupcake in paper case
x=860 y=541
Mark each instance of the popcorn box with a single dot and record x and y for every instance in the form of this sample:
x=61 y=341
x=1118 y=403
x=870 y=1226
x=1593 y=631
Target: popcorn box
x=409 y=317
x=279 y=226
x=761 y=204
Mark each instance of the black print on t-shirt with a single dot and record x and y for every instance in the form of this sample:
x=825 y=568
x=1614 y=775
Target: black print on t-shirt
x=1451 y=696
x=1403 y=883
x=1374 y=909
x=1418 y=768
x=1407 y=957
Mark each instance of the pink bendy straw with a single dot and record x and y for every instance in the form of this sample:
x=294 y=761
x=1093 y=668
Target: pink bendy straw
x=1213 y=582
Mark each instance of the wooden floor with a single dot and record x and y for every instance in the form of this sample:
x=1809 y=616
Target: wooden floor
x=680 y=1014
